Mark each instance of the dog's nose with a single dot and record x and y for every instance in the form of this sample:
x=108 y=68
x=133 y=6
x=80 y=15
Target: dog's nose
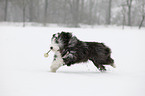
x=51 y=48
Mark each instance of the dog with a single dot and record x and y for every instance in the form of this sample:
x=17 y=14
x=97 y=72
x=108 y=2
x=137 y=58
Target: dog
x=70 y=50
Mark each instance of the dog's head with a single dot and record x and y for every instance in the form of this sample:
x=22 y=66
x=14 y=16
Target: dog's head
x=60 y=40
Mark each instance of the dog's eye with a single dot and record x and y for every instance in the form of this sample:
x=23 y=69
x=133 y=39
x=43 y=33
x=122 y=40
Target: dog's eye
x=53 y=35
x=57 y=41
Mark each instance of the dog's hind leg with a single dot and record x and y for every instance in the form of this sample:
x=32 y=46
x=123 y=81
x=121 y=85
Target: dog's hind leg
x=98 y=65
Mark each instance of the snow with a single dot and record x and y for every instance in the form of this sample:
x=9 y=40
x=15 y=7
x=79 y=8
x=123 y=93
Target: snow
x=24 y=71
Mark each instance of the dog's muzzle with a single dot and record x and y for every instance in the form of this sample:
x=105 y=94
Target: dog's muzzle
x=54 y=47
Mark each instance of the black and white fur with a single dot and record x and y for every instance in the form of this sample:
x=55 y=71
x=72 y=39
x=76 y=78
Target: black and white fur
x=70 y=50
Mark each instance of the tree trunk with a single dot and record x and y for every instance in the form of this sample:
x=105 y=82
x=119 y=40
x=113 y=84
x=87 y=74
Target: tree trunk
x=129 y=15
x=123 y=13
x=45 y=12
x=109 y=12
x=23 y=13
x=76 y=13
x=6 y=9
x=141 y=22
x=143 y=13
x=82 y=11
x=65 y=12
x=31 y=11
x=123 y=21
x=129 y=4
x=90 y=12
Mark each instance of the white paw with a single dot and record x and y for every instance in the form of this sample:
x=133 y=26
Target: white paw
x=55 y=65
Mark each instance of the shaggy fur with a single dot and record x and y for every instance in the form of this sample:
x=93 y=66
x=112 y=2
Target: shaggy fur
x=69 y=50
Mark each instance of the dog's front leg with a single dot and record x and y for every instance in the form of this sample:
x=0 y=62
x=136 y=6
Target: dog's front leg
x=69 y=58
x=57 y=62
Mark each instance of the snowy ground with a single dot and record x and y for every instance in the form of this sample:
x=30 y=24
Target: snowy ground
x=24 y=71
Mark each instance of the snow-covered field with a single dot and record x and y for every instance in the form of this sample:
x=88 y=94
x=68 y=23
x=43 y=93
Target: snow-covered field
x=24 y=71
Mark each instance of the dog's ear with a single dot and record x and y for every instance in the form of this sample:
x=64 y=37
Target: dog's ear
x=66 y=35
x=69 y=35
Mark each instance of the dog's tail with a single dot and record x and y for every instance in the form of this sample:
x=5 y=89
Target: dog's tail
x=111 y=62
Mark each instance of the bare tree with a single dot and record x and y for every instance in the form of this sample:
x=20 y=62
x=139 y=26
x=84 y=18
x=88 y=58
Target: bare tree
x=81 y=11
x=123 y=15
x=108 y=21
x=6 y=9
x=31 y=10
x=142 y=10
x=90 y=16
x=76 y=13
x=45 y=12
x=65 y=11
x=129 y=4
x=24 y=13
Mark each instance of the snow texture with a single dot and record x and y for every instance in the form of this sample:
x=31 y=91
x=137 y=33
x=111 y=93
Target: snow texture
x=24 y=71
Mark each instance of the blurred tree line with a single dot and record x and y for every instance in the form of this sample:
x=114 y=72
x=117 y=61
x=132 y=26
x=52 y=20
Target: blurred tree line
x=74 y=12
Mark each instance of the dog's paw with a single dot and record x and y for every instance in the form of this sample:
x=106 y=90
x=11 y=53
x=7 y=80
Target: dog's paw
x=55 y=65
x=68 y=64
x=102 y=68
x=66 y=60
